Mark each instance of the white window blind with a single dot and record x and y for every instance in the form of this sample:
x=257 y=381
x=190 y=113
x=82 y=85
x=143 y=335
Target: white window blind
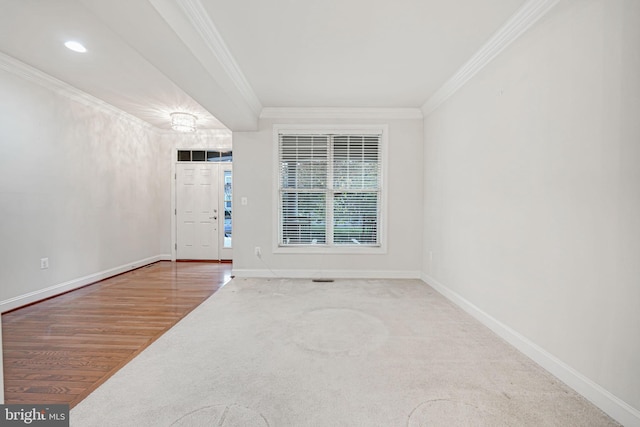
x=330 y=190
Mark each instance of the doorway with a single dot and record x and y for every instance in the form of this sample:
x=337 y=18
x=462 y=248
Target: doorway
x=203 y=208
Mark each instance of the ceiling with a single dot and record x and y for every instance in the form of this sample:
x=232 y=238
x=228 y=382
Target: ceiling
x=225 y=61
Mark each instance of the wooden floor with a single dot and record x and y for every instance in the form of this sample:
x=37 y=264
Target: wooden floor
x=61 y=349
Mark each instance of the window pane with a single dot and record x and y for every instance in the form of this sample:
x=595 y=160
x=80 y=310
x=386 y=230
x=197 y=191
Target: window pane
x=303 y=161
x=228 y=224
x=219 y=156
x=303 y=218
x=198 y=156
x=184 y=155
x=226 y=156
x=356 y=162
x=355 y=218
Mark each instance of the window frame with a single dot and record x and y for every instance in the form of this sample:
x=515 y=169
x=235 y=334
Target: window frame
x=382 y=130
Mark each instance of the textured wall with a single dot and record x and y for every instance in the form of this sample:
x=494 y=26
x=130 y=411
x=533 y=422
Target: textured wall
x=77 y=185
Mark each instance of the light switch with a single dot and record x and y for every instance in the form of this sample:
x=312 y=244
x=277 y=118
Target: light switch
x=244 y=201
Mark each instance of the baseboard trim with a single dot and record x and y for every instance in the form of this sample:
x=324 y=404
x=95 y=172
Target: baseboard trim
x=326 y=274
x=51 y=291
x=599 y=396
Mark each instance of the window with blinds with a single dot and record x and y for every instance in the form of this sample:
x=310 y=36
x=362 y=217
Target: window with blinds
x=329 y=189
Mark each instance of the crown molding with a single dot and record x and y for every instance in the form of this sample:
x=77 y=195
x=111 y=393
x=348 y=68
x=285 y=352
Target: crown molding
x=208 y=133
x=31 y=74
x=202 y=23
x=216 y=132
x=519 y=22
x=340 y=113
x=38 y=77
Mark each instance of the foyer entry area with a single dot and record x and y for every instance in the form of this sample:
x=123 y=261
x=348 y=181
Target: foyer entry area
x=61 y=349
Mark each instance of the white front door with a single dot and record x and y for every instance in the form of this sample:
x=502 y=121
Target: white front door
x=197 y=211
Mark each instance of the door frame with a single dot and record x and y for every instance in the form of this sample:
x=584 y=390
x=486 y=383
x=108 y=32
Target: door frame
x=174 y=225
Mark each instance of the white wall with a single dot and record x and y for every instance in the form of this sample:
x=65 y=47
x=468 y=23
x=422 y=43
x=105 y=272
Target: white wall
x=254 y=167
x=532 y=192
x=78 y=185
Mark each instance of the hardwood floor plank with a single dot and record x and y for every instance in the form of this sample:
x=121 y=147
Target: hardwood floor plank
x=61 y=349
x=55 y=375
x=50 y=398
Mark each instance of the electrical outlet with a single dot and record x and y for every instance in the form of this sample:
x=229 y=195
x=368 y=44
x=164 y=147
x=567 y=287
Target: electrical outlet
x=44 y=263
x=258 y=251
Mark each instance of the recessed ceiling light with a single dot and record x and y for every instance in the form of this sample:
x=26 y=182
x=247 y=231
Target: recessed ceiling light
x=75 y=46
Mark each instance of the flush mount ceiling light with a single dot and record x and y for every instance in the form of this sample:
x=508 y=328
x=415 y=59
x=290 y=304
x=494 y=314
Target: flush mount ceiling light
x=183 y=122
x=75 y=46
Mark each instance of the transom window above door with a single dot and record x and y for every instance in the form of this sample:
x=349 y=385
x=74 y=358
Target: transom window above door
x=204 y=156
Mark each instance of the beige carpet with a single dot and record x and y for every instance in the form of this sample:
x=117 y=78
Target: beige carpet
x=349 y=353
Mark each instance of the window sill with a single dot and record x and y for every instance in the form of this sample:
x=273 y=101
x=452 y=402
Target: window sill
x=323 y=249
